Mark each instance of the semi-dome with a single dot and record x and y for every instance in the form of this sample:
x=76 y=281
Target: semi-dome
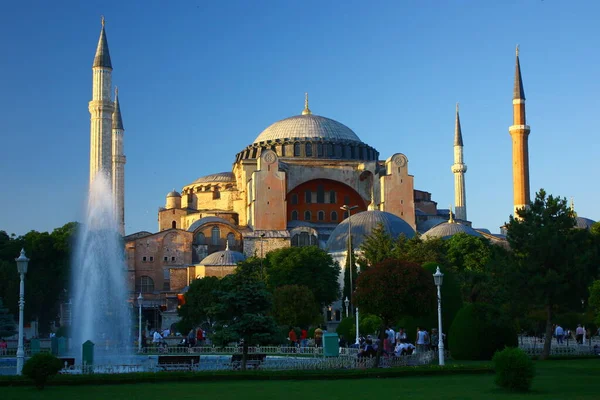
x=219 y=177
x=226 y=258
x=308 y=126
x=448 y=229
x=173 y=193
x=584 y=223
x=362 y=225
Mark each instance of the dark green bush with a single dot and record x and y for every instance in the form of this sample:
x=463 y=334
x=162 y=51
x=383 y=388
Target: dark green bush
x=478 y=331
x=514 y=369
x=40 y=367
x=347 y=328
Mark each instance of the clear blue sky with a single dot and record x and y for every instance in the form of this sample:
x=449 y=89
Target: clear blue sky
x=200 y=80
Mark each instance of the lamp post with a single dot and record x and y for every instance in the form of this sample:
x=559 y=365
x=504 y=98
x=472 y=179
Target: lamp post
x=22 y=263
x=347 y=303
x=438 y=278
x=349 y=209
x=140 y=300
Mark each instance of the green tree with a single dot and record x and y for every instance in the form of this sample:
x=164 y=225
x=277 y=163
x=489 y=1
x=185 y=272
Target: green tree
x=295 y=305
x=392 y=289
x=468 y=257
x=305 y=266
x=243 y=313
x=376 y=247
x=200 y=304
x=7 y=322
x=420 y=251
x=594 y=300
x=550 y=257
x=346 y=292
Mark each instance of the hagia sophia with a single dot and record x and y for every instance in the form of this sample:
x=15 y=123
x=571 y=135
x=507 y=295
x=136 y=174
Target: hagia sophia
x=301 y=182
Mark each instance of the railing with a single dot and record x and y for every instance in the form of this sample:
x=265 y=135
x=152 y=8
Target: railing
x=269 y=350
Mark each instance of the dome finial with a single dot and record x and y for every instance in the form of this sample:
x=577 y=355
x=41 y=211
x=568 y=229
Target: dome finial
x=306 y=110
x=451 y=219
x=573 y=207
x=517 y=51
x=102 y=20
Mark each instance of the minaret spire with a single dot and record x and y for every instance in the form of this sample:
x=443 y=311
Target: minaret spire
x=519 y=131
x=450 y=218
x=118 y=164
x=459 y=168
x=101 y=109
x=306 y=110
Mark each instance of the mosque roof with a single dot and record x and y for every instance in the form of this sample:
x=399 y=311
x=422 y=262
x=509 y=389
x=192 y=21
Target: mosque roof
x=218 y=177
x=584 y=223
x=448 y=229
x=308 y=126
x=226 y=257
x=362 y=225
x=173 y=193
x=207 y=220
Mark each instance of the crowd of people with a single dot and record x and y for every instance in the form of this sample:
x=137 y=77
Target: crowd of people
x=397 y=343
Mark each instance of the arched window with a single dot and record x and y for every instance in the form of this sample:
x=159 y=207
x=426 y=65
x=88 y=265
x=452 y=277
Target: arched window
x=294 y=215
x=307 y=215
x=329 y=150
x=352 y=152
x=215 y=236
x=338 y=151
x=303 y=239
x=145 y=284
x=307 y=197
x=320 y=194
x=308 y=149
x=216 y=193
x=294 y=198
x=231 y=239
x=334 y=216
x=174 y=225
x=321 y=215
x=320 y=149
x=347 y=151
x=296 y=149
x=332 y=198
x=200 y=238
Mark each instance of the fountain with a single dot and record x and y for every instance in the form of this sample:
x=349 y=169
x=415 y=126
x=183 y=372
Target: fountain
x=100 y=310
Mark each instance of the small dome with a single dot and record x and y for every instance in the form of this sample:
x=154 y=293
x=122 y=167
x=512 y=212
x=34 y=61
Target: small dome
x=447 y=229
x=226 y=257
x=307 y=127
x=362 y=224
x=174 y=193
x=584 y=223
x=219 y=177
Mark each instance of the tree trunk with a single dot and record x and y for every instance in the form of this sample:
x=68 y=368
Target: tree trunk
x=548 y=339
x=381 y=344
x=244 y=355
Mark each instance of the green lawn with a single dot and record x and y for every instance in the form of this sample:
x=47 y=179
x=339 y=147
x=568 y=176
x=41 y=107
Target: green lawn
x=573 y=379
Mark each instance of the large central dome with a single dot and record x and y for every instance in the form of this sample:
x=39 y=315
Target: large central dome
x=308 y=126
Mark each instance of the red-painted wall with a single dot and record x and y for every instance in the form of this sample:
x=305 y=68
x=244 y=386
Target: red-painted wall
x=341 y=192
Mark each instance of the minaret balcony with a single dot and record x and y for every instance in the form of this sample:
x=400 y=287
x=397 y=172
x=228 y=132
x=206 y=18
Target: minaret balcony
x=459 y=168
x=516 y=128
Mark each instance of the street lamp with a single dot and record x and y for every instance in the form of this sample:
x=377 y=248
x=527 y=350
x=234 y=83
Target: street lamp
x=349 y=209
x=347 y=303
x=22 y=263
x=438 y=278
x=140 y=300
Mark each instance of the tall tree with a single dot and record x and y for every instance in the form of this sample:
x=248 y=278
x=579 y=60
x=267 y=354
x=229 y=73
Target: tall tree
x=200 y=304
x=243 y=313
x=549 y=257
x=393 y=289
x=376 y=247
x=305 y=266
x=468 y=257
x=295 y=305
x=350 y=271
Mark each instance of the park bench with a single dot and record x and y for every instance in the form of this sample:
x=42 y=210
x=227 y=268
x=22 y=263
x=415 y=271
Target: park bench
x=183 y=362
x=253 y=360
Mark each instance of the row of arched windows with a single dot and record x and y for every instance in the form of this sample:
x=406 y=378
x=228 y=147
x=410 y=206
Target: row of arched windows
x=318 y=149
x=320 y=215
x=215 y=237
x=319 y=197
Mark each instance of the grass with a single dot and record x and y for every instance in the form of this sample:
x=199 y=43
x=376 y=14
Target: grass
x=572 y=379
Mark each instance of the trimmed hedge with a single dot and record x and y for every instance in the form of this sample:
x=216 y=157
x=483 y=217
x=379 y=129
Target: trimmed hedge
x=514 y=369
x=478 y=331
x=40 y=367
x=223 y=376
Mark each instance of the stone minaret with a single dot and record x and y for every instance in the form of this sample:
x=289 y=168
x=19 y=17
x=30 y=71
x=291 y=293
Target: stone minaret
x=519 y=131
x=101 y=110
x=458 y=169
x=118 y=165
